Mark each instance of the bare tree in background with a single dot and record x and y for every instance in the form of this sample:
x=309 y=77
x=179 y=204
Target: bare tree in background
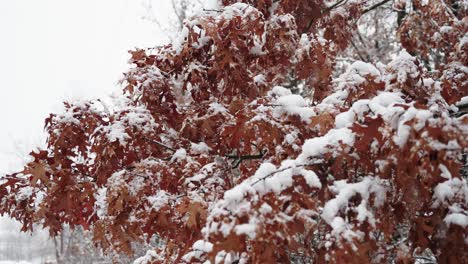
x=16 y=246
x=180 y=11
x=375 y=38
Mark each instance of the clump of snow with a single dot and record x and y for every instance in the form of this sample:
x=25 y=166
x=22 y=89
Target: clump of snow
x=404 y=130
x=72 y=113
x=237 y=9
x=199 y=148
x=364 y=68
x=178 y=43
x=318 y=146
x=448 y=189
x=217 y=108
x=292 y=104
x=205 y=171
x=135 y=185
x=259 y=79
x=116 y=179
x=452 y=193
x=402 y=67
x=290 y=138
x=180 y=154
x=246 y=229
x=311 y=178
x=457 y=219
x=330 y=103
x=131 y=117
x=150 y=257
x=445 y=172
x=203 y=246
x=345 y=191
x=280 y=91
x=265 y=208
x=159 y=200
x=357 y=74
x=292 y=100
x=345 y=119
x=24 y=193
x=383 y=104
x=340 y=228
x=116 y=132
x=203 y=39
x=257 y=49
x=199 y=247
x=463 y=100
x=387 y=105
x=101 y=202
x=68 y=117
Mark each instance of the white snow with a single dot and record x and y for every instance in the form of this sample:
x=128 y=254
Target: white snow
x=259 y=79
x=149 y=257
x=24 y=193
x=246 y=229
x=402 y=67
x=345 y=191
x=280 y=91
x=217 y=108
x=101 y=202
x=178 y=43
x=203 y=246
x=445 y=172
x=292 y=104
x=159 y=200
x=464 y=100
x=199 y=148
x=448 y=189
x=457 y=219
x=311 y=178
x=356 y=74
x=204 y=172
x=116 y=132
x=318 y=146
x=180 y=154
x=404 y=130
x=345 y=119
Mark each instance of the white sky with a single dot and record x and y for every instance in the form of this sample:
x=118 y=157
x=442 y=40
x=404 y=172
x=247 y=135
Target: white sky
x=51 y=50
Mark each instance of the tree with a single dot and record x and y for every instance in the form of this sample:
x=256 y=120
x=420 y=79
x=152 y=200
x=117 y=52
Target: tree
x=210 y=156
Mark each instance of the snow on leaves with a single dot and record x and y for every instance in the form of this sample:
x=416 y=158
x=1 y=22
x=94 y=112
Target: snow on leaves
x=209 y=151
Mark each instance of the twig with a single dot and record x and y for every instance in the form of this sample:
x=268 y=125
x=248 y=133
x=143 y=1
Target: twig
x=326 y=10
x=358 y=51
x=212 y=10
x=374 y=6
x=238 y=158
x=160 y=144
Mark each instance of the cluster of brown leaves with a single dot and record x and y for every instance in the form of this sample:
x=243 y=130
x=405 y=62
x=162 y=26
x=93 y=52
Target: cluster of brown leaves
x=199 y=117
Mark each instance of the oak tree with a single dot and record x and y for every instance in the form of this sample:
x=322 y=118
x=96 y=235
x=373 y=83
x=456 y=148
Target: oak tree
x=208 y=150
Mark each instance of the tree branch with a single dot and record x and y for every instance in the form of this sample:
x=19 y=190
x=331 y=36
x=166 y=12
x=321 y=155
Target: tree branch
x=212 y=10
x=374 y=6
x=358 y=51
x=326 y=10
x=160 y=144
x=238 y=158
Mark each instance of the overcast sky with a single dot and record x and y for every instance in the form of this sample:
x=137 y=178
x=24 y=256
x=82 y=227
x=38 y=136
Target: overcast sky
x=51 y=50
